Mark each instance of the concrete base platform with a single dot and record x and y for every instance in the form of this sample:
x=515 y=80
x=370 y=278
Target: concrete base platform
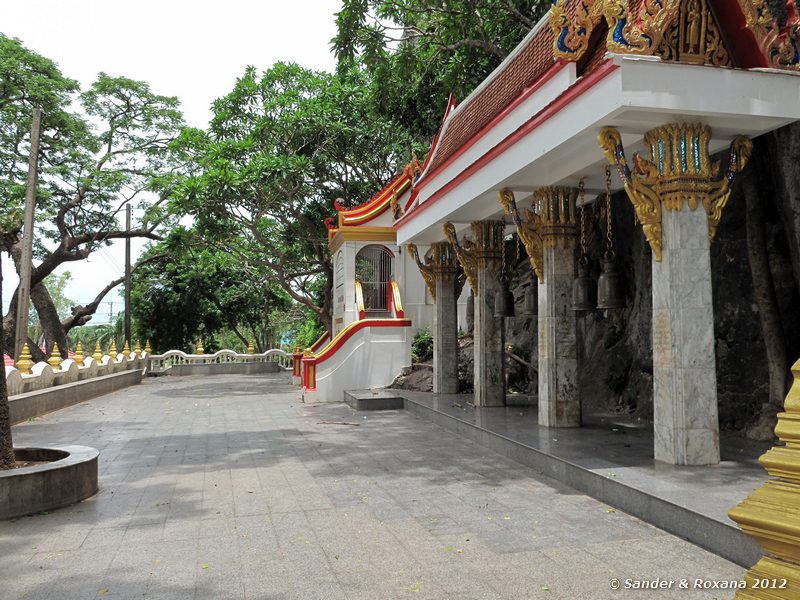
x=380 y=399
x=69 y=477
x=612 y=461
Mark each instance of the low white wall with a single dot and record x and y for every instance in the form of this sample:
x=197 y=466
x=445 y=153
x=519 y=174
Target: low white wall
x=43 y=376
x=161 y=363
x=372 y=357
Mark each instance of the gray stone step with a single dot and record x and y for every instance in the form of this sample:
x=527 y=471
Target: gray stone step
x=378 y=399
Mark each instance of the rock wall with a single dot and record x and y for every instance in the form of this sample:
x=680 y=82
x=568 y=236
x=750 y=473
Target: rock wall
x=615 y=346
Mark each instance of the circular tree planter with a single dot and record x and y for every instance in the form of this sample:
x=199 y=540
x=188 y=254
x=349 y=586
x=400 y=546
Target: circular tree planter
x=69 y=476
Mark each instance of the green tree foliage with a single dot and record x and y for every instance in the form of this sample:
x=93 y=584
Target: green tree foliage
x=92 y=164
x=281 y=146
x=194 y=292
x=420 y=51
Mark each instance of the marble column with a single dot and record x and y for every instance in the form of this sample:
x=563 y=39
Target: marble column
x=490 y=332
x=679 y=195
x=481 y=259
x=549 y=232
x=444 y=279
x=685 y=419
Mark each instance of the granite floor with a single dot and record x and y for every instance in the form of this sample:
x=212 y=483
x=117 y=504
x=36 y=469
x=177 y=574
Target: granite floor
x=615 y=446
x=230 y=487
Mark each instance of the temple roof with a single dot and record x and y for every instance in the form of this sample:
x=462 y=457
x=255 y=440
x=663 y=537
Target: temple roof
x=591 y=64
x=742 y=31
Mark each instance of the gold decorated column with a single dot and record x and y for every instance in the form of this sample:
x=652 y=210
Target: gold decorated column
x=549 y=230
x=444 y=279
x=679 y=193
x=481 y=259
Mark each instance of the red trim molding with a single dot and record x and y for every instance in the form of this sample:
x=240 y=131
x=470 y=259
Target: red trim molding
x=310 y=362
x=522 y=97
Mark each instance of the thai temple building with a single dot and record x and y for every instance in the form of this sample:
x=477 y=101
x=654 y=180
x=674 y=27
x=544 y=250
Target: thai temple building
x=656 y=98
x=658 y=92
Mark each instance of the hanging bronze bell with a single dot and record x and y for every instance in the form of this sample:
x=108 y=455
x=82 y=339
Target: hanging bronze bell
x=504 y=303
x=531 y=306
x=583 y=288
x=609 y=285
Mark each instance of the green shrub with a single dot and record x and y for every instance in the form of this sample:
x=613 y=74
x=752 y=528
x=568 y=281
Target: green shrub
x=422 y=346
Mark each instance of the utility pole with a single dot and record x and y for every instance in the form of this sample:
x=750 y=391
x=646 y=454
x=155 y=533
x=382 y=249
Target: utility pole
x=128 y=274
x=24 y=295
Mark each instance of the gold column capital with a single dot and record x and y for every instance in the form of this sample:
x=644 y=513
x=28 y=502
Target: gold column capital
x=466 y=253
x=679 y=171
x=551 y=221
x=528 y=230
x=557 y=215
x=771 y=514
x=440 y=261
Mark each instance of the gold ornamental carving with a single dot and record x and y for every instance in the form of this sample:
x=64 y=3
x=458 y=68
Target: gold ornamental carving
x=771 y=514
x=679 y=170
x=779 y=44
x=466 y=253
x=557 y=215
x=489 y=239
x=528 y=230
x=439 y=261
x=675 y=30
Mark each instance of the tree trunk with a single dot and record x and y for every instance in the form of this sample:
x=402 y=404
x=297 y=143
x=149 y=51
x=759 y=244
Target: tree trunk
x=784 y=150
x=764 y=291
x=6 y=443
x=49 y=319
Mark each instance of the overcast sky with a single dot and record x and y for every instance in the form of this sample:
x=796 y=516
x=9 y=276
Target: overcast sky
x=191 y=49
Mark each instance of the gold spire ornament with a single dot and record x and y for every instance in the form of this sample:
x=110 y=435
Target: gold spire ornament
x=112 y=352
x=55 y=358
x=97 y=355
x=78 y=356
x=199 y=348
x=25 y=363
x=251 y=349
x=147 y=348
x=771 y=514
x=137 y=350
x=126 y=351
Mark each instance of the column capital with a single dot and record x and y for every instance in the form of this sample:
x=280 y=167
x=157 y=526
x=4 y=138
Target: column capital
x=557 y=214
x=488 y=236
x=552 y=221
x=679 y=172
x=465 y=252
x=440 y=262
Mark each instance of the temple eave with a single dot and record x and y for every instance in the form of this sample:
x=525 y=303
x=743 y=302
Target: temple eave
x=550 y=136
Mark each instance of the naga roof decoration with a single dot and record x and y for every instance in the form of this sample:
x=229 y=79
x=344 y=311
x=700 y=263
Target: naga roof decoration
x=678 y=30
x=384 y=199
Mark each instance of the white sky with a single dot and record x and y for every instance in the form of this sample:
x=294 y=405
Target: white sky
x=193 y=49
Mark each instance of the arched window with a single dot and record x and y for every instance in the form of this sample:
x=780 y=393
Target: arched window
x=374 y=269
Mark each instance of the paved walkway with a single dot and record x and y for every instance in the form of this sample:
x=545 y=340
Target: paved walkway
x=230 y=487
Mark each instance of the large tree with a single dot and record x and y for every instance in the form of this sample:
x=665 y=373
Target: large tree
x=281 y=147
x=114 y=153
x=420 y=51
x=193 y=291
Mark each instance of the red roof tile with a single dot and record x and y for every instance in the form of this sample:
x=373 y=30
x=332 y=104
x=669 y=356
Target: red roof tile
x=522 y=69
